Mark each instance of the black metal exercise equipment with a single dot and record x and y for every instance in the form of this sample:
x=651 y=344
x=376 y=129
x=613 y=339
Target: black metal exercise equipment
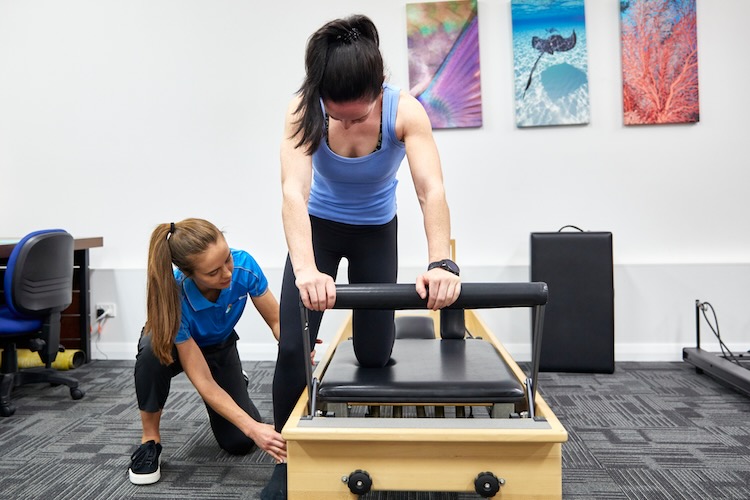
x=732 y=370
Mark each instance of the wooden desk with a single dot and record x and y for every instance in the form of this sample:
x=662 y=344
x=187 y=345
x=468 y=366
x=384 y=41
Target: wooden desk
x=75 y=330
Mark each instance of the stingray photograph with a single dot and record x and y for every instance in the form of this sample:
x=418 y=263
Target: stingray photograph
x=550 y=62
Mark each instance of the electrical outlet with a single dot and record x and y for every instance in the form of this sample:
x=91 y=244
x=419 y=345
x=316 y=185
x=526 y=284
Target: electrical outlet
x=108 y=309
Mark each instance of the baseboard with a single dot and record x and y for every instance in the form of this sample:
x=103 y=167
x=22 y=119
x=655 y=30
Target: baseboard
x=623 y=351
x=127 y=350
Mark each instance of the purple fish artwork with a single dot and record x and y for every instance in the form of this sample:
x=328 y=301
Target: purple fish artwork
x=443 y=42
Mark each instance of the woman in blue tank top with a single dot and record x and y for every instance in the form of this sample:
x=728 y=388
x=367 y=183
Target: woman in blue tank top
x=346 y=134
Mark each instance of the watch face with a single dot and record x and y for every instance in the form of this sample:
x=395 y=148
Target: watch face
x=449 y=266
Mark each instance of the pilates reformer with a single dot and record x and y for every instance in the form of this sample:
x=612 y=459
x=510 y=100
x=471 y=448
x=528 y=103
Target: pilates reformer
x=515 y=450
x=730 y=369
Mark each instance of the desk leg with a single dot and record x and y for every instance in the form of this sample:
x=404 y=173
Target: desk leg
x=81 y=261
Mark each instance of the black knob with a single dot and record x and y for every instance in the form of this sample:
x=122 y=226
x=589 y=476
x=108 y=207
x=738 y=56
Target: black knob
x=359 y=482
x=486 y=484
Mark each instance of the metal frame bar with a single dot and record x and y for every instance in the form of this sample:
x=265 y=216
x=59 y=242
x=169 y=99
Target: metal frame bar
x=716 y=364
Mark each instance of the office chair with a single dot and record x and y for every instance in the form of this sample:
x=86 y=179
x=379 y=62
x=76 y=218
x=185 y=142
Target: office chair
x=38 y=285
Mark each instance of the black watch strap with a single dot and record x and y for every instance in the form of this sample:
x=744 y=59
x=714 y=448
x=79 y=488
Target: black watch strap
x=447 y=265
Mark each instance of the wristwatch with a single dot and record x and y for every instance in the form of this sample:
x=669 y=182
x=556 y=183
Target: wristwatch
x=447 y=265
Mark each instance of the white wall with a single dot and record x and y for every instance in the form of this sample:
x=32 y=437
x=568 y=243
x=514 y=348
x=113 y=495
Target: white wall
x=116 y=116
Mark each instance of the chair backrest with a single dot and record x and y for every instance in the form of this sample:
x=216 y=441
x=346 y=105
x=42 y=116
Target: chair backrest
x=39 y=274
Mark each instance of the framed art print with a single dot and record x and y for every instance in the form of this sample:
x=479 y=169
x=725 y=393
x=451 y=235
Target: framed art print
x=659 y=61
x=443 y=45
x=550 y=62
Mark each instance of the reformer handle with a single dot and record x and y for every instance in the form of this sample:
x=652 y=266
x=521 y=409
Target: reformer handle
x=473 y=296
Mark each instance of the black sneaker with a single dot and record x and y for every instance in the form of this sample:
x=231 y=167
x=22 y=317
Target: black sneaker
x=246 y=378
x=144 y=463
x=276 y=487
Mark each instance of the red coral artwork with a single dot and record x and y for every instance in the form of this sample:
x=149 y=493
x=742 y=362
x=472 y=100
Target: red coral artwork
x=659 y=61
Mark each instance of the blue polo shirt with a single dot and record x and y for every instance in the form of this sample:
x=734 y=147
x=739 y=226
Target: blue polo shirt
x=210 y=323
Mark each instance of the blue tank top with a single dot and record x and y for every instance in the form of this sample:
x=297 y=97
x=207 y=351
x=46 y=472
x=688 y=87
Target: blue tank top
x=361 y=190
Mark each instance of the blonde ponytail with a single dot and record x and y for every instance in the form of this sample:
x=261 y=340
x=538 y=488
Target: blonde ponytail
x=174 y=243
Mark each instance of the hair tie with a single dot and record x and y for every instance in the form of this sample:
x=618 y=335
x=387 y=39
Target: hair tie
x=350 y=36
x=171 y=230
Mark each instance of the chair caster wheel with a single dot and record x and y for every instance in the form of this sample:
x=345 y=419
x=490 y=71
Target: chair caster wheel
x=359 y=482
x=7 y=410
x=76 y=393
x=487 y=484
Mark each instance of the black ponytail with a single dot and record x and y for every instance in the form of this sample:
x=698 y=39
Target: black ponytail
x=343 y=63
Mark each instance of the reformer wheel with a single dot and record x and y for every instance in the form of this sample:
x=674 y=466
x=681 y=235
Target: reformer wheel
x=487 y=484
x=359 y=482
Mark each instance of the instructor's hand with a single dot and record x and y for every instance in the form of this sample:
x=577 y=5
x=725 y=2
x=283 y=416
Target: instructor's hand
x=444 y=288
x=270 y=441
x=317 y=290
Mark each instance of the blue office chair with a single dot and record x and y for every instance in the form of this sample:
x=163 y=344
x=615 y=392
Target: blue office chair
x=38 y=285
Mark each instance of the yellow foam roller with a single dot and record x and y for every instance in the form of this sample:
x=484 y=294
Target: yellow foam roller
x=66 y=360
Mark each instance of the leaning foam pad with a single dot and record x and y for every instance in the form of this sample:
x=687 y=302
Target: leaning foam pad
x=579 y=324
x=423 y=371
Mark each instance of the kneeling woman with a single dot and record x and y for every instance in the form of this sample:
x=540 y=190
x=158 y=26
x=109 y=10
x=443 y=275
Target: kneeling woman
x=190 y=319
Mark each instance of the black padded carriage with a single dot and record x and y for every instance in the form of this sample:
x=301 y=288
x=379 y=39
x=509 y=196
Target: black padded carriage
x=424 y=371
x=450 y=370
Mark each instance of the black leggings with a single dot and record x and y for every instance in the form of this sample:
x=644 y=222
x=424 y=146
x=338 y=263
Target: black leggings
x=153 y=380
x=371 y=252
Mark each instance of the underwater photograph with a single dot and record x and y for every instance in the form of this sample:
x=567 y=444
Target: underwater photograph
x=550 y=62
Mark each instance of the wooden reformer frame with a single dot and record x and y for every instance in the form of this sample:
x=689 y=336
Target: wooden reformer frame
x=335 y=457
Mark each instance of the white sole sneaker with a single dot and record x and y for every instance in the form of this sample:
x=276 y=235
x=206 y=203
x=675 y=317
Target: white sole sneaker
x=142 y=479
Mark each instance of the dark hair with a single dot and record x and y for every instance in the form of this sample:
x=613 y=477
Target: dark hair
x=175 y=243
x=342 y=63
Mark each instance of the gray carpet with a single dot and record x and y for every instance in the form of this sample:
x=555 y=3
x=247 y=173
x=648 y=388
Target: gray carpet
x=648 y=431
